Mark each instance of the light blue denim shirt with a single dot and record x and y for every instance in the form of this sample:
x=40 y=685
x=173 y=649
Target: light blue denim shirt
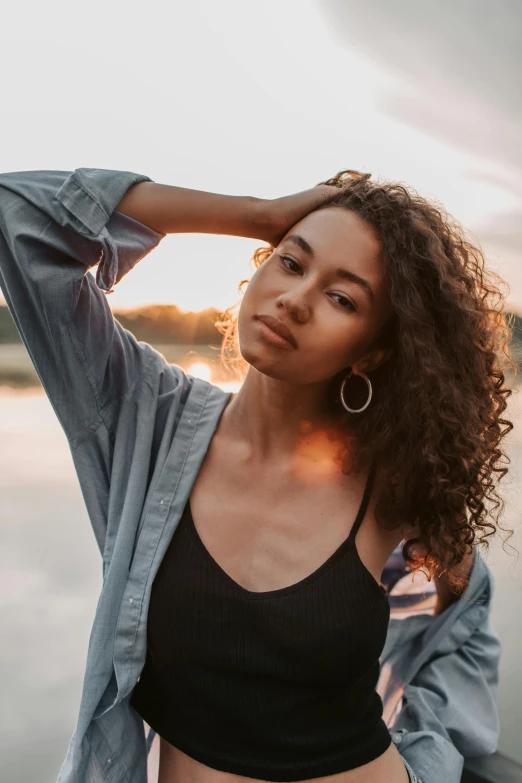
x=138 y=429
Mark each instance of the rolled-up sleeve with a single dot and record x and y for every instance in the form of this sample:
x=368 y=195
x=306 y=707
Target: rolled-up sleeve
x=54 y=227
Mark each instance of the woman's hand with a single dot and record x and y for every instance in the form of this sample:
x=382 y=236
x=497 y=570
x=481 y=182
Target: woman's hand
x=280 y=214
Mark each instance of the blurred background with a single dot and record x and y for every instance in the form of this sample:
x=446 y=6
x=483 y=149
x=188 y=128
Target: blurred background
x=261 y=99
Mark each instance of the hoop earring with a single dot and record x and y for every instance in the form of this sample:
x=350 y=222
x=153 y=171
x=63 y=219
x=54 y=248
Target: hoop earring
x=347 y=407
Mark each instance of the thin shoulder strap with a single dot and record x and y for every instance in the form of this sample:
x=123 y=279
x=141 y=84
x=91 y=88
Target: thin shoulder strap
x=364 y=503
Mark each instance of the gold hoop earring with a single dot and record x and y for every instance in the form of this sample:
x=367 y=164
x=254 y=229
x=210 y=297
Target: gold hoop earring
x=341 y=393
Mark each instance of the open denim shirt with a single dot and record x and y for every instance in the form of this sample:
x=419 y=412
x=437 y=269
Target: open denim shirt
x=138 y=429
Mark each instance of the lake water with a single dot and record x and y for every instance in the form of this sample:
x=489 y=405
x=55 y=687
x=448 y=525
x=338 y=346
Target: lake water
x=50 y=578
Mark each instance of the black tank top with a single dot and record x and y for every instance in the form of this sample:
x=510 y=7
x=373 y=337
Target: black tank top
x=279 y=685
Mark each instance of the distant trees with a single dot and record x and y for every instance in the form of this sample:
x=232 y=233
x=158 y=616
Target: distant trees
x=170 y=324
x=151 y=324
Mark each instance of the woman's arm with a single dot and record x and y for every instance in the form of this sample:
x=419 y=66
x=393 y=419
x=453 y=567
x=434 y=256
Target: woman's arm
x=54 y=227
x=170 y=209
x=450 y=707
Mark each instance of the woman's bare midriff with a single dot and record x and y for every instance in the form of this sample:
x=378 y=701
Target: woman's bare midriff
x=176 y=767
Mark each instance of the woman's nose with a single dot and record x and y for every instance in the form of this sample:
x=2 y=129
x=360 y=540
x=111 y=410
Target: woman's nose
x=296 y=305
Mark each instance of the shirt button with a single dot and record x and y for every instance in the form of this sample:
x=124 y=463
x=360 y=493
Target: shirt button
x=396 y=737
x=131 y=600
x=109 y=761
x=189 y=421
x=161 y=502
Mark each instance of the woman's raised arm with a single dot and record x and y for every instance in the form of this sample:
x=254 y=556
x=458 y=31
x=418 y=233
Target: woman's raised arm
x=54 y=227
x=173 y=210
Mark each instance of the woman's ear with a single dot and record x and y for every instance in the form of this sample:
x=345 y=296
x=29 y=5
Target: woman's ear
x=373 y=360
x=384 y=354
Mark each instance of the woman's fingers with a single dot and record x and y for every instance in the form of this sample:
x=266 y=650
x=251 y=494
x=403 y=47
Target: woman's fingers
x=286 y=211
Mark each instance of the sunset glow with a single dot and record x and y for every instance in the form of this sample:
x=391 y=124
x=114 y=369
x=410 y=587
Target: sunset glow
x=200 y=370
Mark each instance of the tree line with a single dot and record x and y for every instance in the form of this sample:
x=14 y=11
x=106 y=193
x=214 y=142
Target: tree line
x=150 y=324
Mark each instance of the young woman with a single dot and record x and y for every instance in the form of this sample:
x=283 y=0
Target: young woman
x=242 y=616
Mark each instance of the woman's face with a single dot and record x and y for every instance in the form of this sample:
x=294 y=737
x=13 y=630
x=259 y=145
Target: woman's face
x=333 y=318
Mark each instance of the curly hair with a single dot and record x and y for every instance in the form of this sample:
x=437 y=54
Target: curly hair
x=435 y=424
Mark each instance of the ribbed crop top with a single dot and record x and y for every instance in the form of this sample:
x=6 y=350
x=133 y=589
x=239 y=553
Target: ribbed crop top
x=278 y=685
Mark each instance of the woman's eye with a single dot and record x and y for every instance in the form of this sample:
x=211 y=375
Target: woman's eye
x=287 y=258
x=346 y=303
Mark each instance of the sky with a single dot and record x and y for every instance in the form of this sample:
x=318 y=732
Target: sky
x=267 y=99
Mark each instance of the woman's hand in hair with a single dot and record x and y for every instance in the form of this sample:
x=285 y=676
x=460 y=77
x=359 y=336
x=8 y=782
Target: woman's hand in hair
x=286 y=211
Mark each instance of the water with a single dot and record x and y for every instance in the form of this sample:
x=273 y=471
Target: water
x=50 y=578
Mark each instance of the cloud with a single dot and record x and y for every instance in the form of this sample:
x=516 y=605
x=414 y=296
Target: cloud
x=458 y=79
x=504 y=230
x=458 y=69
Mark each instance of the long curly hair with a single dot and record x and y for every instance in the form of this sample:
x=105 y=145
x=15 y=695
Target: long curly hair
x=434 y=426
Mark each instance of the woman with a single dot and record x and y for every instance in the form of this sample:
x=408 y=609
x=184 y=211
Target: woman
x=299 y=487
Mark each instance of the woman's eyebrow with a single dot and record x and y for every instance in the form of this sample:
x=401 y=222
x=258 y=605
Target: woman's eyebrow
x=301 y=242
x=344 y=274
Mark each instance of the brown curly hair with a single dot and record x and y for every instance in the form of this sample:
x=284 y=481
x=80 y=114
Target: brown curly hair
x=435 y=424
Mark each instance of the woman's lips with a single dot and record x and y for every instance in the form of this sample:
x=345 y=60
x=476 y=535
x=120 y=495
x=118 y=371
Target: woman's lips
x=272 y=337
x=279 y=327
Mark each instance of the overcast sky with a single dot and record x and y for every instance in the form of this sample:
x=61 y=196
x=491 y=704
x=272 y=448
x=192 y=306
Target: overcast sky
x=266 y=99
